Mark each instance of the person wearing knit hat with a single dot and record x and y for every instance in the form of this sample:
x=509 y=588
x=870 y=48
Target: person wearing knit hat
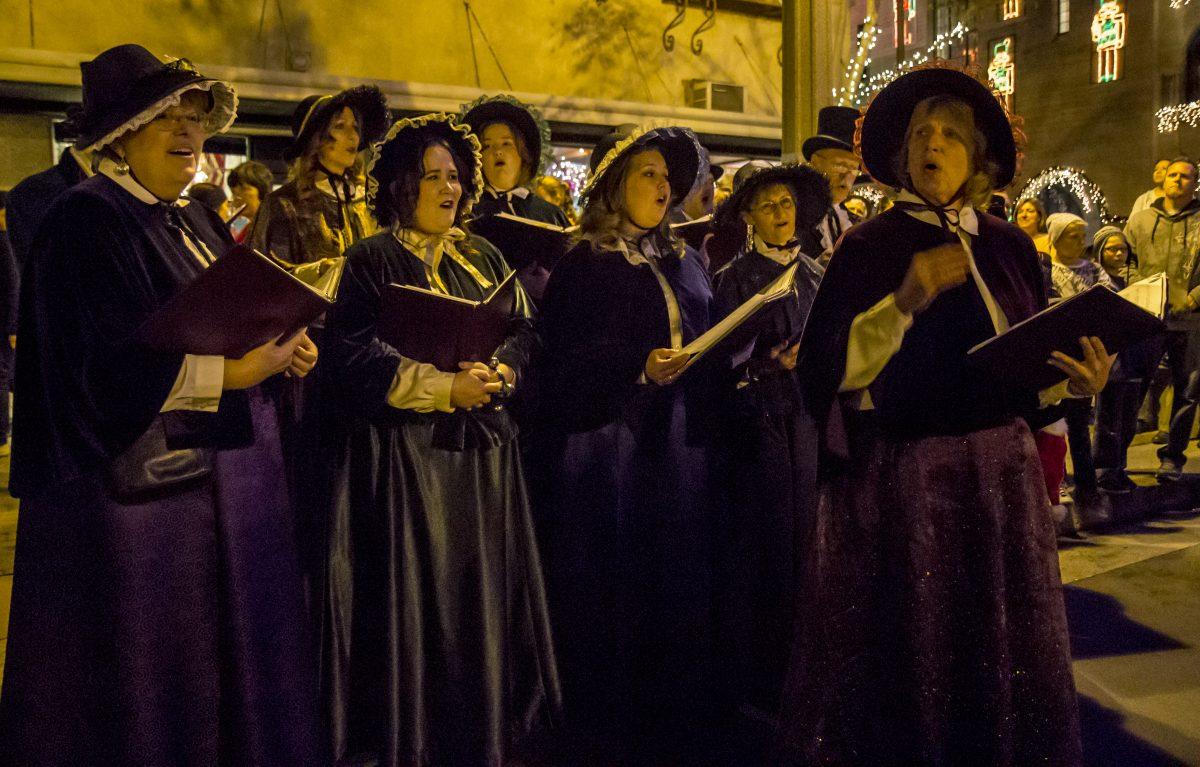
x=934 y=627
x=1071 y=273
x=621 y=474
x=437 y=639
x=157 y=610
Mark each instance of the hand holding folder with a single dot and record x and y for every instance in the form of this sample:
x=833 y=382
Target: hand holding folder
x=444 y=330
x=1018 y=356
x=781 y=286
x=242 y=301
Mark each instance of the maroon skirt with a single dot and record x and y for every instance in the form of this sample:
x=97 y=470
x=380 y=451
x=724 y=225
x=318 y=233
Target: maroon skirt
x=932 y=625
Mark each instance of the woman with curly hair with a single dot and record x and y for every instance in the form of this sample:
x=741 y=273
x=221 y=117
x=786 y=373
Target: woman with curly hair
x=437 y=643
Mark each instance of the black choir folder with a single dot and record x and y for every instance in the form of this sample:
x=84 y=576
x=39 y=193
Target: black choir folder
x=443 y=330
x=1119 y=320
x=524 y=240
x=242 y=301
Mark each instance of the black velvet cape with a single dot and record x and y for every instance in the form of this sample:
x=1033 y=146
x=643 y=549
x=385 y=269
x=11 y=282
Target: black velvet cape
x=437 y=643
x=167 y=631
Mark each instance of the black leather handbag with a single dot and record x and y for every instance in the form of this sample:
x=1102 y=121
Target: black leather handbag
x=150 y=467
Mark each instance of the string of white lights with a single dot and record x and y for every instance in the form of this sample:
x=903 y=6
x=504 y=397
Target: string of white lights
x=876 y=81
x=1075 y=182
x=1179 y=3
x=1170 y=118
x=573 y=174
x=865 y=43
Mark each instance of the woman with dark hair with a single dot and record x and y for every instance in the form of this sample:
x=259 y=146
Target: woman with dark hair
x=766 y=450
x=157 y=614
x=623 y=499
x=935 y=631
x=516 y=148
x=250 y=183
x=437 y=643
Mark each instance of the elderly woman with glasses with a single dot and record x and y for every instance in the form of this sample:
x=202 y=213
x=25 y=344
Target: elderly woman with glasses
x=157 y=613
x=766 y=453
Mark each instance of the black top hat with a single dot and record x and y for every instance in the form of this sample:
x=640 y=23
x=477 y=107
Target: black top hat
x=686 y=159
x=810 y=188
x=128 y=86
x=313 y=113
x=524 y=119
x=405 y=139
x=886 y=122
x=835 y=130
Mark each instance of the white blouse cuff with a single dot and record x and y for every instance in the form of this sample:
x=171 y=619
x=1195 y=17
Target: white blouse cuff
x=198 y=385
x=875 y=337
x=421 y=387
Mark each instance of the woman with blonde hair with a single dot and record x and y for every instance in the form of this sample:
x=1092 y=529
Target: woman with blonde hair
x=621 y=468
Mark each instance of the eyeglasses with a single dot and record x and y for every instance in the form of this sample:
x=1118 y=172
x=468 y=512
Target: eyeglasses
x=785 y=204
x=169 y=119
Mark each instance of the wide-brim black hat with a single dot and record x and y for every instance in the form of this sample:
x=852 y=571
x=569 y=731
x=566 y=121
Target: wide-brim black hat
x=313 y=113
x=835 y=130
x=408 y=136
x=525 y=119
x=686 y=159
x=885 y=124
x=810 y=188
x=127 y=86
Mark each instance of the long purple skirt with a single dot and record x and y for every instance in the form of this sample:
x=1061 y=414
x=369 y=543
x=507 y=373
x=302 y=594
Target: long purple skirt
x=164 y=633
x=934 y=630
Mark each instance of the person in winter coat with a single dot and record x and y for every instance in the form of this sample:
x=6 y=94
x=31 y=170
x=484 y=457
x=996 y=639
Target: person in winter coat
x=1166 y=237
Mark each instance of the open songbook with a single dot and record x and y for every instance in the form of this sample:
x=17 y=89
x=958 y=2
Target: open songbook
x=444 y=330
x=693 y=232
x=242 y=301
x=781 y=286
x=1019 y=354
x=523 y=240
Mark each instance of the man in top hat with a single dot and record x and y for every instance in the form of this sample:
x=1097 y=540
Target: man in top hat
x=831 y=152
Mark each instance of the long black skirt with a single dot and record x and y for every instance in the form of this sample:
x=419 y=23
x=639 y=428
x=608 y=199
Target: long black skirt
x=162 y=633
x=625 y=514
x=437 y=647
x=934 y=628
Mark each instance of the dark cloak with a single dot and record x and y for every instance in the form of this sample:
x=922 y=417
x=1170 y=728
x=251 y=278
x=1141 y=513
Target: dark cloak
x=437 y=641
x=534 y=276
x=624 y=511
x=936 y=632
x=30 y=201
x=164 y=632
x=766 y=456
